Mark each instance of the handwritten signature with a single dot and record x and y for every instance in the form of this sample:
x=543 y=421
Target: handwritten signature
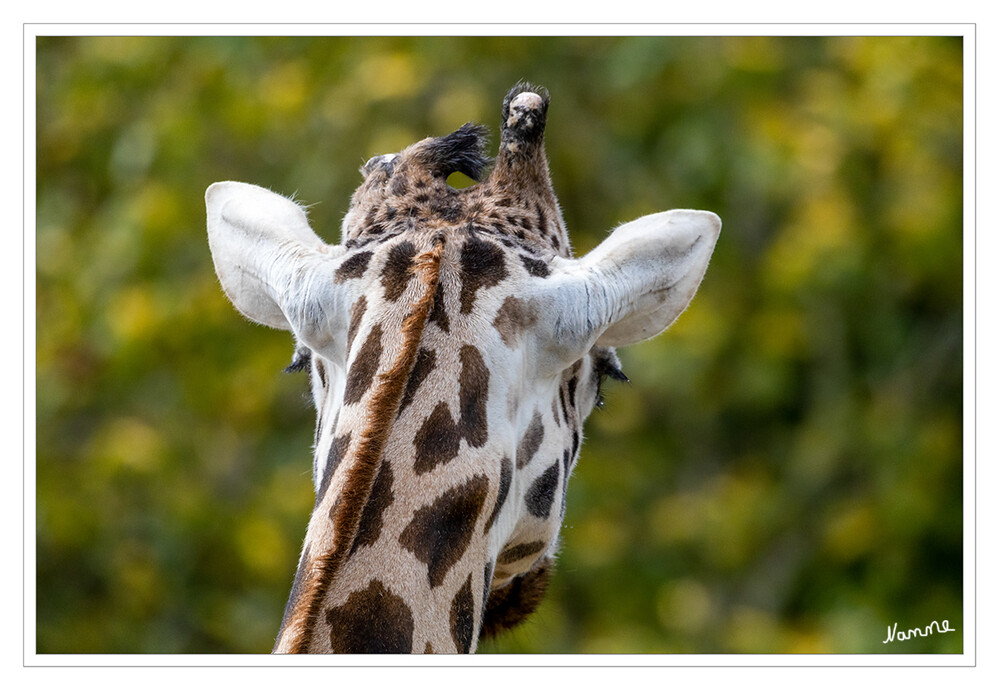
x=901 y=635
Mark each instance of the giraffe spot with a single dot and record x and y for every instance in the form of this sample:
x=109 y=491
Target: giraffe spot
x=541 y=494
x=531 y=441
x=439 y=533
x=372 y=621
x=398 y=270
x=426 y=360
x=463 y=617
x=338 y=448
x=437 y=441
x=519 y=552
x=566 y=461
x=321 y=373
x=356 y=314
x=429 y=649
x=354 y=267
x=438 y=314
x=536 y=267
x=512 y=319
x=506 y=477
x=370 y=526
x=363 y=369
x=473 y=394
x=482 y=266
x=487 y=579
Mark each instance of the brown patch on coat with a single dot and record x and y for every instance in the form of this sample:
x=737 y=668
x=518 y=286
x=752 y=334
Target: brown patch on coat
x=482 y=266
x=439 y=533
x=512 y=319
x=487 y=581
x=463 y=618
x=356 y=314
x=541 y=494
x=363 y=368
x=519 y=552
x=338 y=448
x=426 y=360
x=372 y=621
x=354 y=267
x=398 y=270
x=473 y=394
x=370 y=526
x=439 y=313
x=437 y=441
x=566 y=463
x=506 y=478
x=531 y=441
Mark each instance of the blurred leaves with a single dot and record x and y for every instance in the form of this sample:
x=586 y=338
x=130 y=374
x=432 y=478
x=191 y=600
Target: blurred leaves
x=785 y=472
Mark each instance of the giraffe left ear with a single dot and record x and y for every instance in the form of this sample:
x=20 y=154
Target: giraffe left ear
x=630 y=288
x=272 y=266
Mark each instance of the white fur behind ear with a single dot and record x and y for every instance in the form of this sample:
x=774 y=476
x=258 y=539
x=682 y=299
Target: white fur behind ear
x=259 y=242
x=630 y=288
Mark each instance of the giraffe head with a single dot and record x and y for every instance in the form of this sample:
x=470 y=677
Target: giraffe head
x=455 y=347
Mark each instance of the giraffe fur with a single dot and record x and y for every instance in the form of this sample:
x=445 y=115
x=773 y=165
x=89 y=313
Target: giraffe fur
x=455 y=347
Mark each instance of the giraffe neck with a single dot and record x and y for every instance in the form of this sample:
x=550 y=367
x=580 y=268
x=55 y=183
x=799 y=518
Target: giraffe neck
x=333 y=528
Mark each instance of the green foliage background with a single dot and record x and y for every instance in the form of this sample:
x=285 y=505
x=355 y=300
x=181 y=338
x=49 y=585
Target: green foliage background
x=785 y=472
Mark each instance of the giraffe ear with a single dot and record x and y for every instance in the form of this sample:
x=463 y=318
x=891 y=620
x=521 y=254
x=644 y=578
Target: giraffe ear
x=272 y=266
x=632 y=286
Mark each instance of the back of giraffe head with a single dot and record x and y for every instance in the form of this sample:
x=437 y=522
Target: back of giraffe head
x=456 y=347
x=408 y=192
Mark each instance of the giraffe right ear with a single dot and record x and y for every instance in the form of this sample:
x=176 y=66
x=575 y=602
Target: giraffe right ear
x=630 y=288
x=272 y=266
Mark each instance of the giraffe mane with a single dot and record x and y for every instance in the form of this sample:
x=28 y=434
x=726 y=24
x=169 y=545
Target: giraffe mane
x=384 y=403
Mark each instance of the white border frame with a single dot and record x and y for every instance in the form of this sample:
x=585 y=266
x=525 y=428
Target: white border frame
x=967 y=31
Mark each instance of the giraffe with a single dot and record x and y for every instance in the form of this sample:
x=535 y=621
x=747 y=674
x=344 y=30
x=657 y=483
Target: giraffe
x=455 y=347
